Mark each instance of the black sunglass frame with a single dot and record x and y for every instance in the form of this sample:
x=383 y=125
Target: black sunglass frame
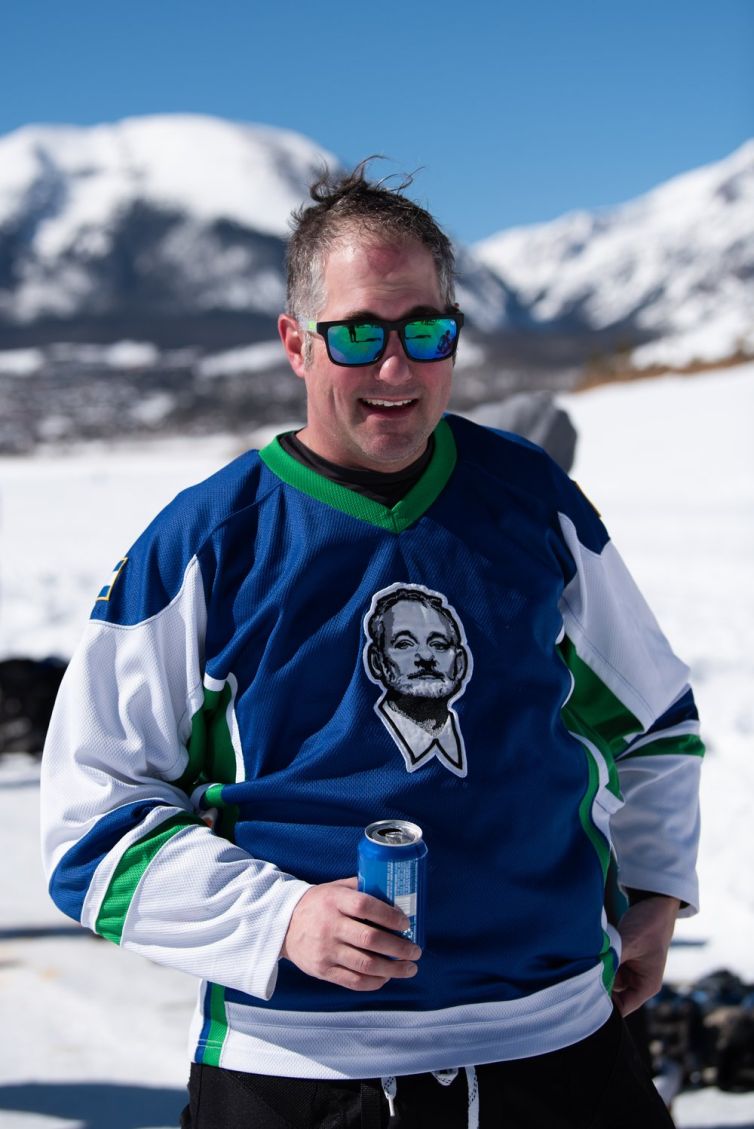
x=321 y=327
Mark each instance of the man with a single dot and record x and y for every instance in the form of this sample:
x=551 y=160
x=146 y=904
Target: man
x=223 y=669
x=416 y=653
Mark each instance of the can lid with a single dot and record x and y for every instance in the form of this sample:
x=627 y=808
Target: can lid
x=393 y=832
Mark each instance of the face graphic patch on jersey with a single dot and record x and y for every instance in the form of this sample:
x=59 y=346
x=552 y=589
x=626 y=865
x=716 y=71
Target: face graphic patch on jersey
x=417 y=653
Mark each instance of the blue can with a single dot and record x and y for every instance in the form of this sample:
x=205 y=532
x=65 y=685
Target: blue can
x=392 y=866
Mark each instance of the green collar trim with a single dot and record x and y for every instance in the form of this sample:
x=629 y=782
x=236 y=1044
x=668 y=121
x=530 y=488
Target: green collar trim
x=418 y=500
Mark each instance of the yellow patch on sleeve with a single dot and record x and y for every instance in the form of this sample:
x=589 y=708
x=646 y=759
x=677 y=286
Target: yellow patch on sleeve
x=107 y=591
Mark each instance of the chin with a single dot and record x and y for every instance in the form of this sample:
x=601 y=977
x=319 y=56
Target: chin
x=432 y=690
x=390 y=455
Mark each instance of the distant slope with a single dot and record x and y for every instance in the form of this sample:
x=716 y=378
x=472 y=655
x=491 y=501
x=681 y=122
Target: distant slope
x=675 y=266
x=132 y=229
x=149 y=217
x=142 y=271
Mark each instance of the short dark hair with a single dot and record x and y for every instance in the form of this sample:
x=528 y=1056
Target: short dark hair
x=349 y=202
x=376 y=623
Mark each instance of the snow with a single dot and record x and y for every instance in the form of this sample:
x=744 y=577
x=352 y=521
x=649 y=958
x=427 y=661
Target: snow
x=98 y=1035
x=674 y=259
x=732 y=330
x=206 y=167
x=66 y=192
x=21 y=362
x=118 y=355
x=247 y=358
x=670 y=463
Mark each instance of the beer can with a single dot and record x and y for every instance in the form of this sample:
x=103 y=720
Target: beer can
x=392 y=866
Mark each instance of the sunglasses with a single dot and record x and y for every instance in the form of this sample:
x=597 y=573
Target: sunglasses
x=362 y=341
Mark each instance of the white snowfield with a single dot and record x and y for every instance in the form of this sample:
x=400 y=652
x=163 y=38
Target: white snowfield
x=94 y=1038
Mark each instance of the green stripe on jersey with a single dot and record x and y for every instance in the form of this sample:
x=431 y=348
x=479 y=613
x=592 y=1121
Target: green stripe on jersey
x=609 y=959
x=395 y=520
x=210 y=746
x=607 y=955
x=685 y=745
x=212 y=757
x=218 y=1027
x=129 y=872
x=594 y=711
x=213 y=797
x=595 y=836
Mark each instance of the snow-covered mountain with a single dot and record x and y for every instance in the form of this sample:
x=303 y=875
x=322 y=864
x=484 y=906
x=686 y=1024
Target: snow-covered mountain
x=675 y=266
x=159 y=218
x=142 y=271
x=181 y=212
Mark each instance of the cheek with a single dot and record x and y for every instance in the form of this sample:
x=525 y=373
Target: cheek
x=439 y=381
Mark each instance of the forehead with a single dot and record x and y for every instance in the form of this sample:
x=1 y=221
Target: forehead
x=411 y=615
x=387 y=278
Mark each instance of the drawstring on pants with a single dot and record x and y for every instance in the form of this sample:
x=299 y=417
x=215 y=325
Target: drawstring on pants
x=445 y=1078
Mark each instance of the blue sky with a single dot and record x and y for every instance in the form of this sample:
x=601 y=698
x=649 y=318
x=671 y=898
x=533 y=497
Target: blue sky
x=517 y=112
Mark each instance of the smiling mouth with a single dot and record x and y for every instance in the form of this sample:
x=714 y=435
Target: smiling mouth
x=387 y=403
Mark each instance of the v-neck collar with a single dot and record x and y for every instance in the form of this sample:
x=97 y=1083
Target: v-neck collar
x=418 y=500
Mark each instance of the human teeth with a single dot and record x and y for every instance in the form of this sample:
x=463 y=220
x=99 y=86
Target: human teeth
x=388 y=403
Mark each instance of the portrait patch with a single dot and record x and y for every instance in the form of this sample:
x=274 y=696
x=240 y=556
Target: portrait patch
x=417 y=653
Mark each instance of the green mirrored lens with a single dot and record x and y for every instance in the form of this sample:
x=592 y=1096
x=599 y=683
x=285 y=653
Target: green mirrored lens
x=357 y=344
x=430 y=339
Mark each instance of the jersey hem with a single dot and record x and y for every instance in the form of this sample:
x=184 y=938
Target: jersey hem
x=368 y=1044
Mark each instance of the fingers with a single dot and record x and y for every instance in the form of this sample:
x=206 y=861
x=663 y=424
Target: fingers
x=635 y=983
x=366 y=937
x=628 y=999
x=340 y=934
x=363 y=907
x=646 y=929
x=364 y=972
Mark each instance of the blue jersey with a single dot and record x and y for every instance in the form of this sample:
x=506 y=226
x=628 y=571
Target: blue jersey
x=301 y=661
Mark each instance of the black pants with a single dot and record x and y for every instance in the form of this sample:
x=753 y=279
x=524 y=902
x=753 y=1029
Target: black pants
x=599 y=1083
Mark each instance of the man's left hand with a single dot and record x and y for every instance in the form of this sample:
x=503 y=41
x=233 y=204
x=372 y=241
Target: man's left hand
x=646 y=930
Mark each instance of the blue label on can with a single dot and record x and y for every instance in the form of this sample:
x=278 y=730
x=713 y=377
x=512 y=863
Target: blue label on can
x=392 y=866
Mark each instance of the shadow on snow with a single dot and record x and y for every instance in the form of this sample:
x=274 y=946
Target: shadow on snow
x=97 y=1105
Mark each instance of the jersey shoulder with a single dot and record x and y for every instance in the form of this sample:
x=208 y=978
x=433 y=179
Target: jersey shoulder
x=519 y=467
x=153 y=571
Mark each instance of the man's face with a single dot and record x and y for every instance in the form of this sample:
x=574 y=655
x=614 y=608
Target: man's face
x=378 y=417
x=420 y=655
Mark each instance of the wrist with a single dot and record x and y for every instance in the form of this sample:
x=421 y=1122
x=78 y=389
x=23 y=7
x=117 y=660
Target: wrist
x=635 y=896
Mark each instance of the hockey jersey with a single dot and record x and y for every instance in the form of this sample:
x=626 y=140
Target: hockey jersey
x=301 y=661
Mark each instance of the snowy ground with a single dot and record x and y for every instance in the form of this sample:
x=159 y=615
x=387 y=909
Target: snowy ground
x=94 y=1038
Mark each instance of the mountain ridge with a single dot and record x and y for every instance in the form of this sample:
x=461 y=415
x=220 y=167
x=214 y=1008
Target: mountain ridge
x=142 y=268
x=676 y=262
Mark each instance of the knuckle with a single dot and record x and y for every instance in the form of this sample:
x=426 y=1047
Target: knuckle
x=361 y=904
x=366 y=937
x=366 y=964
x=357 y=983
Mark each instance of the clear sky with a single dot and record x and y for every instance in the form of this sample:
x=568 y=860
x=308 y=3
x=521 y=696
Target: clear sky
x=516 y=111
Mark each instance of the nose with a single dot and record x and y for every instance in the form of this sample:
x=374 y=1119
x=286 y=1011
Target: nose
x=393 y=367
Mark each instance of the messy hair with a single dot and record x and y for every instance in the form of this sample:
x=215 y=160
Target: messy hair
x=349 y=203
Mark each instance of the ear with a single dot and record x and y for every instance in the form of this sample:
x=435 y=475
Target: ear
x=292 y=337
x=461 y=664
x=374 y=658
